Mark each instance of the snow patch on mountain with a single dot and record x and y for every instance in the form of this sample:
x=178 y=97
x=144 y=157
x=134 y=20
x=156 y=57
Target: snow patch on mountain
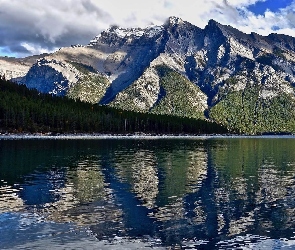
x=132 y=33
x=149 y=31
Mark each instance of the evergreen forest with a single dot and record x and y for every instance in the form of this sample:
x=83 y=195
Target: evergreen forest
x=24 y=110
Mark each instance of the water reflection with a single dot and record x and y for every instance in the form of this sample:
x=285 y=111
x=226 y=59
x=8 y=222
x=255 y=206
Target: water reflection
x=81 y=199
x=220 y=193
x=257 y=184
x=10 y=200
x=139 y=168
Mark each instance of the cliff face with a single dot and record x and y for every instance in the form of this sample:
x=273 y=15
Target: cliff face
x=244 y=81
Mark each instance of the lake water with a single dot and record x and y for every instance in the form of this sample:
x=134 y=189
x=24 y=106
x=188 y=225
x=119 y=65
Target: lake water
x=201 y=193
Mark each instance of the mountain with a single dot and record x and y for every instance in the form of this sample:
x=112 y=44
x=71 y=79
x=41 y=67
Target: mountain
x=243 y=81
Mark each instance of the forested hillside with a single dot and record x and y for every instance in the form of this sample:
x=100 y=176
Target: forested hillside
x=24 y=110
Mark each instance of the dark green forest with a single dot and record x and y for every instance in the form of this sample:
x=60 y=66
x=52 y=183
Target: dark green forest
x=244 y=112
x=26 y=110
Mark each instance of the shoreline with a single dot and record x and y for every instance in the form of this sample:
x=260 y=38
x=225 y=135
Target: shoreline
x=27 y=136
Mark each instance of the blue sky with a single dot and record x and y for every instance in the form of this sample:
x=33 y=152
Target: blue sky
x=32 y=27
x=259 y=8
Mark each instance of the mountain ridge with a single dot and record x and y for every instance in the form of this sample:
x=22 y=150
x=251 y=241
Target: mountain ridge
x=215 y=65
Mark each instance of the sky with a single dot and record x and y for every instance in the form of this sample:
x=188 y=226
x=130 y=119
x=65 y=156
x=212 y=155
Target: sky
x=30 y=27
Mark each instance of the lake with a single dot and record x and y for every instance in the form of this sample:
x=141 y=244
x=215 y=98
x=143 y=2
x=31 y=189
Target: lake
x=141 y=193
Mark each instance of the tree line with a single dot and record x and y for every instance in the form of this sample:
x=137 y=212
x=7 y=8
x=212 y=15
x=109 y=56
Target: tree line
x=27 y=110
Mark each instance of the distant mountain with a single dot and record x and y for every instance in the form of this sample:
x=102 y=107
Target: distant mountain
x=243 y=81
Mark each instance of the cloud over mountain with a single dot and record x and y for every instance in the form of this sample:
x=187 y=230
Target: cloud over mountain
x=32 y=27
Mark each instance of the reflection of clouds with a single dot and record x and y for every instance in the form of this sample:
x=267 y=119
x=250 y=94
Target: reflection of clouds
x=9 y=199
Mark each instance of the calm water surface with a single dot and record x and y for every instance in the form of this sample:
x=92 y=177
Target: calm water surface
x=221 y=193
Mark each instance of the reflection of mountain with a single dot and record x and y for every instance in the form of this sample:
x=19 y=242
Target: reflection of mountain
x=10 y=200
x=173 y=190
x=139 y=168
x=85 y=199
x=145 y=178
x=197 y=169
x=87 y=180
x=254 y=185
x=184 y=172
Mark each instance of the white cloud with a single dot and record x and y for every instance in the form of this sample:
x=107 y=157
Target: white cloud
x=282 y=22
x=32 y=26
x=35 y=49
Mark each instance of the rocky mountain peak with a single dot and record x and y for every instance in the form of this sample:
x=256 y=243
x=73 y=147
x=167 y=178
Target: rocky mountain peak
x=216 y=28
x=173 y=21
x=213 y=23
x=118 y=34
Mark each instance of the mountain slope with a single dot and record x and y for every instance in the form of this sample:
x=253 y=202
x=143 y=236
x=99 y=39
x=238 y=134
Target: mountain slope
x=162 y=90
x=244 y=81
